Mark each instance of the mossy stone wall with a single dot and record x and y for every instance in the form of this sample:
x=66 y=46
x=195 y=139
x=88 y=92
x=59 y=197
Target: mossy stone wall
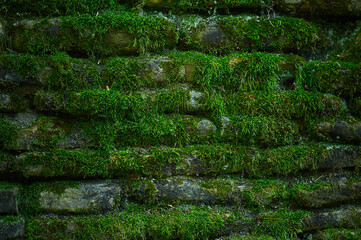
x=179 y=119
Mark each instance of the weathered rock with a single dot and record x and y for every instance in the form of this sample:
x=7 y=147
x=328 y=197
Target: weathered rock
x=12 y=103
x=340 y=8
x=122 y=40
x=91 y=197
x=12 y=79
x=194 y=190
x=8 y=201
x=330 y=195
x=206 y=127
x=12 y=229
x=339 y=157
x=340 y=131
x=266 y=34
x=106 y=34
x=154 y=68
x=346 y=218
x=48 y=133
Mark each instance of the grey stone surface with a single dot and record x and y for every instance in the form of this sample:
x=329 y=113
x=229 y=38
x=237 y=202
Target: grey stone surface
x=12 y=230
x=341 y=131
x=334 y=218
x=332 y=195
x=89 y=197
x=206 y=127
x=8 y=201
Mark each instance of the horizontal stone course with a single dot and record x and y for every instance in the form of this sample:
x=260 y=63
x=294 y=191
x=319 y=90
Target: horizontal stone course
x=218 y=221
x=204 y=160
x=117 y=36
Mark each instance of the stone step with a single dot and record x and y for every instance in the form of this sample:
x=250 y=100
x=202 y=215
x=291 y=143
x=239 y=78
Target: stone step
x=191 y=222
x=198 y=160
x=111 y=34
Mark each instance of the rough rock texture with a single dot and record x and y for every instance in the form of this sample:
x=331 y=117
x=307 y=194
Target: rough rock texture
x=85 y=198
x=8 y=201
x=12 y=229
x=340 y=131
x=168 y=119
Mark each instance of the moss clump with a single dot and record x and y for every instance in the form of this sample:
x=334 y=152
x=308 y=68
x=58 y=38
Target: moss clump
x=289 y=104
x=9 y=185
x=205 y=5
x=109 y=33
x=29 y=195
x=134 y=223
x=275 y=34
x=8 y=133
x=282 y=224
x=338 y=234
x=236 y=72
x=216 y=159
x=263 y=131
x=338 y=78
x=255 y=162
x=54 y=7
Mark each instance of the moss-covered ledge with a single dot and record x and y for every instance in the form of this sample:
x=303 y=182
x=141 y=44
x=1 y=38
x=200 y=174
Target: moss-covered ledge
x=109 y=33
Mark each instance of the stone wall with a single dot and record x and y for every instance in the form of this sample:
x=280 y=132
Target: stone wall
x=151 y=119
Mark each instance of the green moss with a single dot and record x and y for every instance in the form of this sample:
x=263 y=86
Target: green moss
x=134 y=223
x=282 y=224
x=10 y=219
x=280 y=33
x=338 y=234
x=339 y=78
x=204 y=5
x=289 y=104
x=109 y=33
x=9 y=185
x=55 y=7
x=262 y=131
x=29 y=195
x=236 y=72
x=8 y=133
x=266 y=192
x=217 y=159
